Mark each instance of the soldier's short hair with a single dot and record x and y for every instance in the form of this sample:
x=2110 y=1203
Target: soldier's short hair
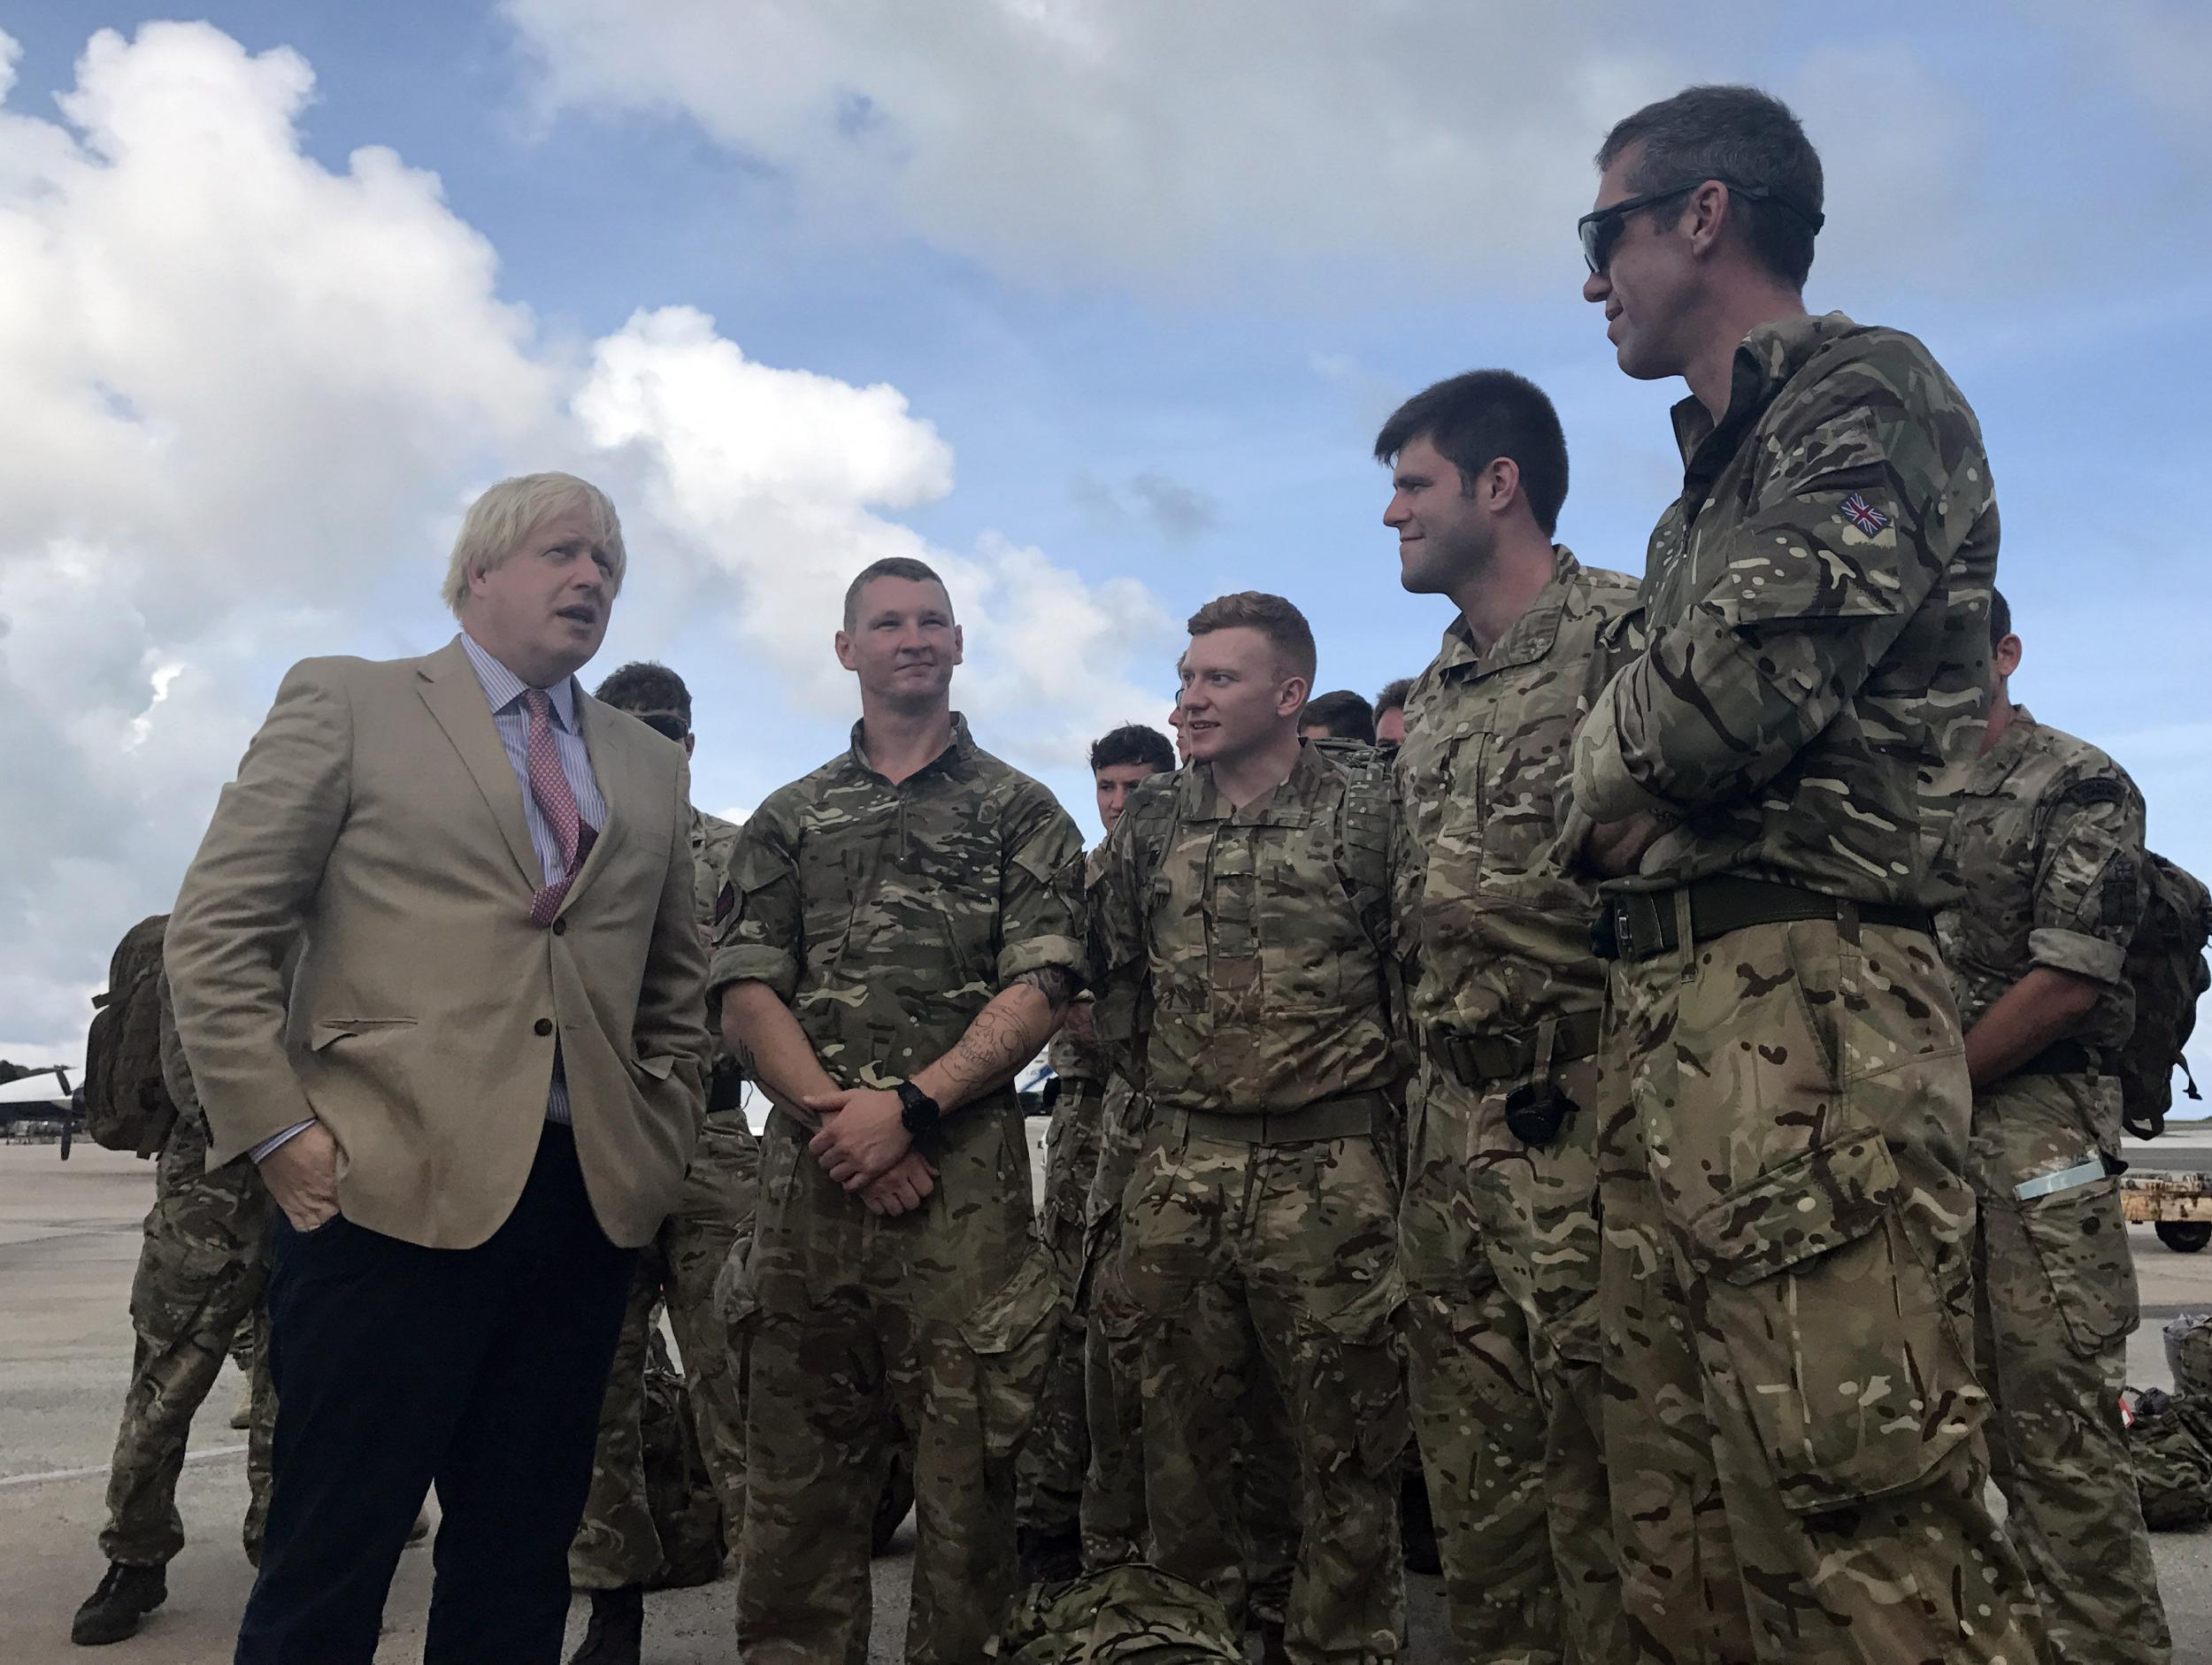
x=496 y=523
x=1476 y=418
x=1343 y=713
x=1393 y=697
x=1999 y=619
x=1740 y=135
x=903 y=567
x=645 y=685
x=1131 y=743
x=1275 y=618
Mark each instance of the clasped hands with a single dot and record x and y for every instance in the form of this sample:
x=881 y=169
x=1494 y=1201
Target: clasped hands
x=864 y=1146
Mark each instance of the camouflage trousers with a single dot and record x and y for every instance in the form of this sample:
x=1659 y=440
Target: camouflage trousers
x=201 y=1270
x=1498 y=1245
x=1056 y=1453
x=833 y=1386
x=1792 y=1428
x=1278 y=1262
x=2057 y=1302
x=615 y=1543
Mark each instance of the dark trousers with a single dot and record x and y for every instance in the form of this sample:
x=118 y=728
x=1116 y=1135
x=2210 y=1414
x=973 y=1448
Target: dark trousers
x=396 y=1366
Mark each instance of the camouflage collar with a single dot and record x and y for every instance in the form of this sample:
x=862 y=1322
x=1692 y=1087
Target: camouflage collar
x=1766 y=360
x=1526 y=641
x=957 y=759
x=1293 y=803
x=1995 y=766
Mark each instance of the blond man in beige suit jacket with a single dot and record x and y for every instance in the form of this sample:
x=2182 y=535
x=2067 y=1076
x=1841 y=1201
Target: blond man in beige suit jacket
x=477 y=1096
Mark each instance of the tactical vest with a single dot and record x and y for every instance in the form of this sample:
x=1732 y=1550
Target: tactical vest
x=1364 y=830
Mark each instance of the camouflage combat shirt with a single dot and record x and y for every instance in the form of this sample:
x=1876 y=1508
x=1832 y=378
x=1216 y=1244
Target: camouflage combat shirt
x=2047 y=837
x=887 y=917
x=1814 y=686
x=1240 y=954
x=1502 y=935
x=713 y=839
x=1073 y=1060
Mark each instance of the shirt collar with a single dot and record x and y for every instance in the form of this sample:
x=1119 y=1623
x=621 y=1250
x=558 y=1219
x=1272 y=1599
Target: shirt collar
x=958 y=754
x=1289 y=804
x=1995 y=766
x=1528 y=639
x=503 y=687
x=1765 y=361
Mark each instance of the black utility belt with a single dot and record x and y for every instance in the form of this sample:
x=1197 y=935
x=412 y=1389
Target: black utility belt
x=1637 y=924
x=1351 y=1115
x=1475 y=1060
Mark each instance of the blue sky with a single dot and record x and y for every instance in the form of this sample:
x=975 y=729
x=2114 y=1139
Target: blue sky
x=1101 y=304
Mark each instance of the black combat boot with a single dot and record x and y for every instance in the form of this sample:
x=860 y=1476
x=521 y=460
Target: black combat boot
x=617 y=1631
x=113 y=1611
x=1273 y=1650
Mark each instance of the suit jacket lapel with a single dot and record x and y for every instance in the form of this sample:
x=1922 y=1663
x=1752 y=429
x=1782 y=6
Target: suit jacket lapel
x=604 y=744
x=455 y=698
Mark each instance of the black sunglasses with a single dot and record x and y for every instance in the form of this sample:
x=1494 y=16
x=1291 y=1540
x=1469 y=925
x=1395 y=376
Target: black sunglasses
x=665 y=723
x=1601 y=228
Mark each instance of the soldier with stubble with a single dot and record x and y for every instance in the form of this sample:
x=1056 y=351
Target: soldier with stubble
x=906 y=933
x=1498 y=1234
x=1793 y=1427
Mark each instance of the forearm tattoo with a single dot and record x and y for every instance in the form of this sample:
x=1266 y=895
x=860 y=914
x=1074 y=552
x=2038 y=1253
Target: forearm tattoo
x=993 y=1047
x=1056 y=983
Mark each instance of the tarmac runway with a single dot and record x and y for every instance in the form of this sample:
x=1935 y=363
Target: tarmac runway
x=69 y=1240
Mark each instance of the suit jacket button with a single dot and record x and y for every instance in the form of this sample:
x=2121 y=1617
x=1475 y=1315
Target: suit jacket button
x=544 y=1027
x=560 y=927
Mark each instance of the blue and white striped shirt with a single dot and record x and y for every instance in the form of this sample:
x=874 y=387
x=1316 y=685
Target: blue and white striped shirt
x=512 y=716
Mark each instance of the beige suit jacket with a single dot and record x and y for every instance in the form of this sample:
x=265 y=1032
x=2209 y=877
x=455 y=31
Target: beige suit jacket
x=377 y=821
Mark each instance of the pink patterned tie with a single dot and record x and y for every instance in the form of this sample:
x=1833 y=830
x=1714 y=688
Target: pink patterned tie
x=549 y=787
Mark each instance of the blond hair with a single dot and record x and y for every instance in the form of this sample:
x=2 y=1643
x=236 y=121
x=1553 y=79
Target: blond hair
x=496 y=524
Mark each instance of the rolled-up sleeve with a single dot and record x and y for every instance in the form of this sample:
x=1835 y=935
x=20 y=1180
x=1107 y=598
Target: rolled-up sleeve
x=761 y=938
x=2089 y=881
x=1041 y=893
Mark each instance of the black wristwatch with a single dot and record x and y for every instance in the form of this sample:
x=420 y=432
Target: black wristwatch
x=918 y=1111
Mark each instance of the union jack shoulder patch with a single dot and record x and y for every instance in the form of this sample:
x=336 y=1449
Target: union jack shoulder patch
x=1863 y=515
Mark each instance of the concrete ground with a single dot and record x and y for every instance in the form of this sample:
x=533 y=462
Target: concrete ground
x=68 y=1241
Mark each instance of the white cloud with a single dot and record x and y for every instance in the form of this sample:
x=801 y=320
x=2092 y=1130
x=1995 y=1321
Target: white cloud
x=1423 y=145
x=247 y=394
x=775 y=478
x=1149 y=137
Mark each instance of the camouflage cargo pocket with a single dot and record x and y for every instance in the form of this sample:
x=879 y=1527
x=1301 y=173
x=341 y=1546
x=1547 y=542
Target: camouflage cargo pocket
x=1845 y=1357
x=1011 y=1338
x=2079 y=1241
x=1358 y=1371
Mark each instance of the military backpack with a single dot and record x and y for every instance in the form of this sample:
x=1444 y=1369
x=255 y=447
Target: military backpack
x=1364 y=825
x=1132 y=1613
x=2167 y=971
x=679 y=1492
x=2173 y=1470
x=127 y=1106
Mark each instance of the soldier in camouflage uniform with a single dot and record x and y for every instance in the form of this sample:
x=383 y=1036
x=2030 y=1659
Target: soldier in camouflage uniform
x=1791 y=1421
x=616 y=1552
x=1056 y=1454
x=201 y=1270
x=2047 y=844
x=1241 y=929
x=906 y=933
x=1498 y=1238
